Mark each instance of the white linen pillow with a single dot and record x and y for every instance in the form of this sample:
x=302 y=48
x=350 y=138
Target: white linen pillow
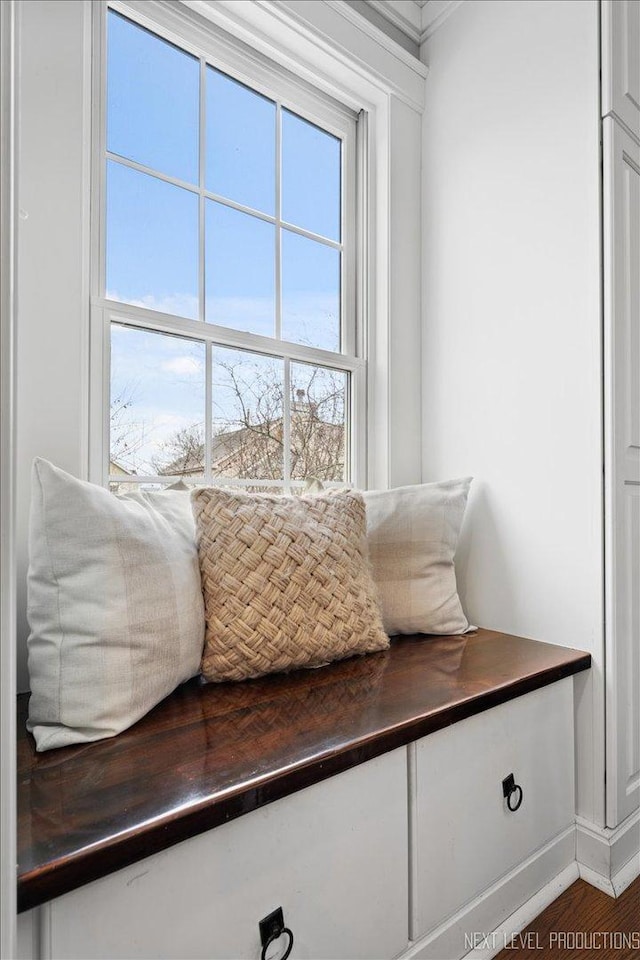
x=114 y=605
x=412 y=534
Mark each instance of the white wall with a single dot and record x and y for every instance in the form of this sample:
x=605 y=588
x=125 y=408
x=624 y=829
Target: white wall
x=53 y=292
x=53 y=248
x=511 y=323
x=406 y=271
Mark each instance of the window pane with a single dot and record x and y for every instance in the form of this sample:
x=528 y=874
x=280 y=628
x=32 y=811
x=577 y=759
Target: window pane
x=310 y=177
x=248 y=407
x=240 y=270
x=240 y=143
x=310 y=292
x=152 y=100
x=317 y=423
x=157 y=404
x=152 y=242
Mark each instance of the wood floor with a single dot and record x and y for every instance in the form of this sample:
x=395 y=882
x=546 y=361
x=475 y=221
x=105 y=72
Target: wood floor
x=595 y=926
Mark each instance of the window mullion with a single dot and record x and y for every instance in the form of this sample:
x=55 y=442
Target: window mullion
x=201 y=203
x=286 y=427
x=208 y=411
x=317 y=237
x=278 y=251
x=240 y=207
x=151 y=172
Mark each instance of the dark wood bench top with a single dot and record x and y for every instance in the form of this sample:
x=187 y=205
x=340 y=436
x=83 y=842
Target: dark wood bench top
x=209 y=753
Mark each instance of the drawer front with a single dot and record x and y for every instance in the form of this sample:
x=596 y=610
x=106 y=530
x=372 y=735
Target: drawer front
x=334 y=856
x=465 y=838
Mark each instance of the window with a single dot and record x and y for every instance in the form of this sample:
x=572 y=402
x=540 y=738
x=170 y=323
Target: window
x=226 y=261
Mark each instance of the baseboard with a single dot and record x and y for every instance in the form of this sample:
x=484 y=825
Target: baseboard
x=626 y=875
x=617 y=884
x=504 y=905
x=596 y=879
x=609 y=859
x=506 y=935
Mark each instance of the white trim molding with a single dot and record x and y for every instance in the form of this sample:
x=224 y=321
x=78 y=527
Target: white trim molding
x=406 y=15
x=507 y=933
x=609 y=859
x=8 y=97
x=378 y=33
x=506 y=905
x=302 y=36
x=434 y=14
x=416 y=19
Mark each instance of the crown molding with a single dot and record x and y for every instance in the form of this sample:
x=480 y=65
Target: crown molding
x=343 y=51
x=406 y=15
x=417 y=19
x=375 y=33
x=434 y=14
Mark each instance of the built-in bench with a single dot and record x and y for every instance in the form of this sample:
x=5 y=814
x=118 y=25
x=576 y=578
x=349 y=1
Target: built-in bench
x=210 y=753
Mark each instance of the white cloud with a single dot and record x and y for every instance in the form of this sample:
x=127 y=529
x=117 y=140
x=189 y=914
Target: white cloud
x=182 y=366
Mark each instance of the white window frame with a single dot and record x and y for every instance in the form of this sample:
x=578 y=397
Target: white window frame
x=213 y=46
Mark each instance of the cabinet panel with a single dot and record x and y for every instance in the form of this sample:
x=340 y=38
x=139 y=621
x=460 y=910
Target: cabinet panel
x=465 y=837
x=621 y=61
x=28 y=935
x=622 y=467
x=334 y=856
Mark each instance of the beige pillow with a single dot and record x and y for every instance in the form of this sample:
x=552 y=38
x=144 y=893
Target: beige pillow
x=413 y=534
x=115 y=606
x=286 y=582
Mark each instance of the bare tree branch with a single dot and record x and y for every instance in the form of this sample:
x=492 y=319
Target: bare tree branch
x=248 y=433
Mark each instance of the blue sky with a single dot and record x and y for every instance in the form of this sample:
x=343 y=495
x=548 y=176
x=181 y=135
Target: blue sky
x=152 y=227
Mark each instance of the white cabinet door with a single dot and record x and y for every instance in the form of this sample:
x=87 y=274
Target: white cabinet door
x=621 y=61
x=465 y=838
x=333 y=856
x=622 y=467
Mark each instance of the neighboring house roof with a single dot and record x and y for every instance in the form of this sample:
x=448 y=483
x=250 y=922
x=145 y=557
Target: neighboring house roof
x=116 y=469
x=190 y=464
x=250 y=452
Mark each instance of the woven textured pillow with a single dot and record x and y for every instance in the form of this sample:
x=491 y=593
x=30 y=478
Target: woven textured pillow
x=413 y=535
x=286 y=582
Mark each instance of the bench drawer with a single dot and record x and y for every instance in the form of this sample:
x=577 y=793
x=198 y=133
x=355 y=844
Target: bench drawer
x=333 y=855
x=465 y=838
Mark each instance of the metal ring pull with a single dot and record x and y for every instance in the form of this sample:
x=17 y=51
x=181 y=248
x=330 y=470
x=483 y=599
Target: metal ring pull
x=517 y=793
x=275 y=936
x=512 y=792
x=271 y=929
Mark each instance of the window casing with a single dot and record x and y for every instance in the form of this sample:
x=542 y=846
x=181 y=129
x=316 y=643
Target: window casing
x=145 y=321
